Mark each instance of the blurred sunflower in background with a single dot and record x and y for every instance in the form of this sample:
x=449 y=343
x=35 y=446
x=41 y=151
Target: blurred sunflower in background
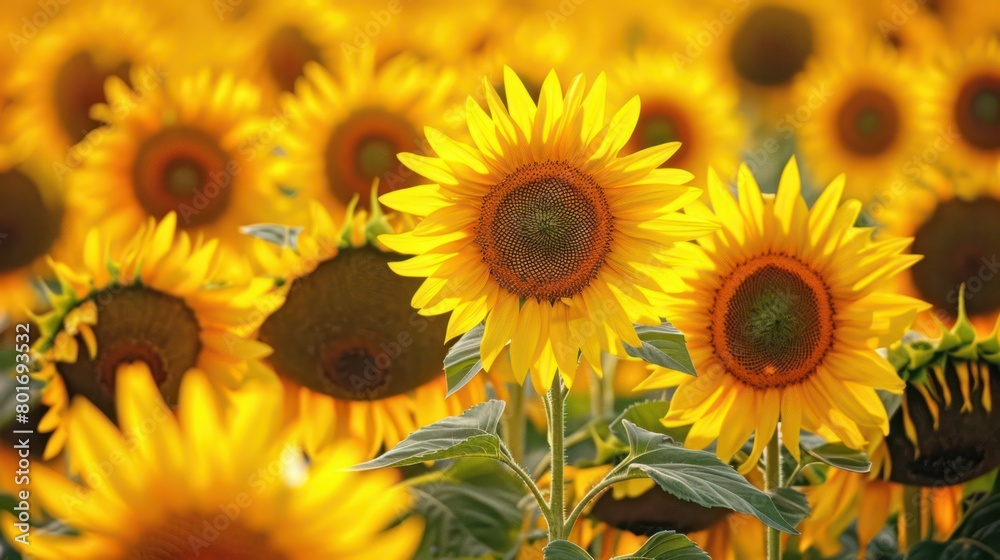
x=866 y=119
x=691 y=106
x=965 y=107
x=344 y=132
x=59 y=75
x=952 y=221
x=358 y=360
x=536 y=227
x=32 y=226
x=781 y=316
x=224 y=482
x=188 y=145
x=159 y=301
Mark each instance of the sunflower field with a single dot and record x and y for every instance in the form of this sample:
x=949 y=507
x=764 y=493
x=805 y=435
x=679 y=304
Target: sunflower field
x=499 y=280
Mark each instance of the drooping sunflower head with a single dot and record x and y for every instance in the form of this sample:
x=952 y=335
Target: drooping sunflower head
x=945 y=431
x=31 y=227
x=782 y=314
x=211 y=482
x=365 y=364
x=541 y=229
x=867 y=118
x=59 y=75
x=159 y=301
x=192 y=145
x=952 y=221
x=345 y=130
x=687 y=105
x=965 y=93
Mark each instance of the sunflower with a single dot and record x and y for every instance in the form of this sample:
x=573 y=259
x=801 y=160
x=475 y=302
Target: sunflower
x=867 y=118
x=764 y=44
x=344 y=132
x=191 y=145
x=782 y=314
x=965 y=108
x=277 y=40
x=159 y=301
x=916 y=34
x=952 y=221
x=363 y=364
x=31 y=226
x=689 y=106
x=542 y=230
x=213 y=482
x=60 y=73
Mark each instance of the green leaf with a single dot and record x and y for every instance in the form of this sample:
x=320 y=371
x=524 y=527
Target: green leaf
x=667 y=545
x=462 y=362
x=472 y=434
x=565 y=550
x=647 y=415
x=699 y=477
x=977 y=537
x=280 y=235
x=840 y=456
x=470 y=510
x=662 y=345
x=793 y=505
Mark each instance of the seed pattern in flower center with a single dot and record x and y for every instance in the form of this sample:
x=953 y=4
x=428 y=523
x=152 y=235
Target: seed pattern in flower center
x=773 y=322
x=545 y=231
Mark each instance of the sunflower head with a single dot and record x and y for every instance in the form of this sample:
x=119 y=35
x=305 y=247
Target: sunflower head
x=541 y=229
x=346 y=127
x=782 y=314
x=364 y=363
x=213 y=481
x=190 y=144
x=951 y=220
x=965 y=99
x=945 y=431
x=867 y=118
x=159 y=301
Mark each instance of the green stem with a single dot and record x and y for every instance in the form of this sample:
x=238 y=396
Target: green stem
x=579 y=436
x=772 y=480
x=516 y=421
x=506 y=459
x=912 y=515
x=594 y=493
x=557 y=434
x=602 y=391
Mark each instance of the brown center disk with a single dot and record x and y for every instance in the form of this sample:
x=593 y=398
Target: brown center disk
x=977 y=112
x=135 y=324
x=288 y=52
x=868 y=122
x=347 y=330
x=965 y=445
x=363 y=148
x=79 y=85
x=772 y=322
x=662 y=122
x=772 y=45
x=656 y=511
x=28 y=227
x=218 y=537
x=184 y=170
x=545 y=231
x=961 y=245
